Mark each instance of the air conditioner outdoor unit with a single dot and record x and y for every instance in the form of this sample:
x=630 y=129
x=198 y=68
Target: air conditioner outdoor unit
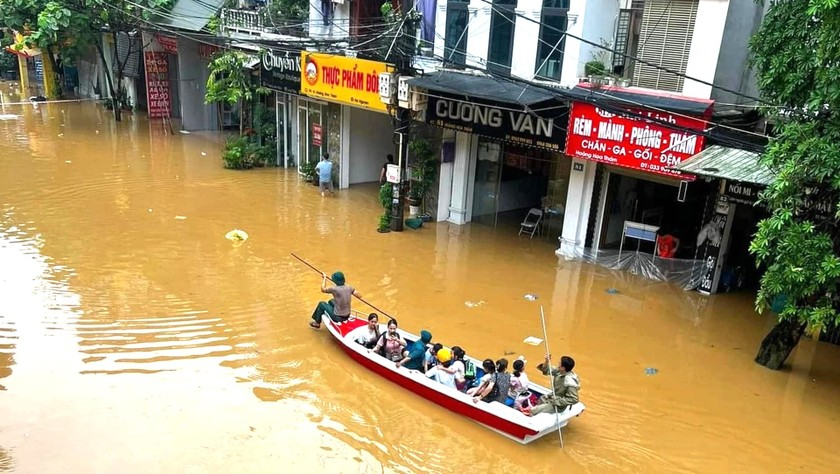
x=402 y=91
x=386 y=87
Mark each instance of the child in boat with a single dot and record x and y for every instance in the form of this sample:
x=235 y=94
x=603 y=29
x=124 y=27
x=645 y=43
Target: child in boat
x=338 y=308
x=438 y=373
x=502 y=381
x=430 y=359
x=456 y=367
x=484 y=391
x=371 y=334
x=519 y=384
x=391 y=344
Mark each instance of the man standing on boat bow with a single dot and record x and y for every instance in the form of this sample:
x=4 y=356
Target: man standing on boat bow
x=566 y=386
x=338 y=308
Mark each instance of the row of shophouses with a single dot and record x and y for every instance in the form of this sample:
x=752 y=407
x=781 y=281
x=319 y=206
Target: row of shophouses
x=614 y=165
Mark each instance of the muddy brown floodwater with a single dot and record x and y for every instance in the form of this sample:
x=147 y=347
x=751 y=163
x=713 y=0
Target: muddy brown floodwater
x=135 y=341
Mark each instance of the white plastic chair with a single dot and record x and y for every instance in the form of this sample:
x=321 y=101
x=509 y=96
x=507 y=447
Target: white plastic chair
x=531 y=224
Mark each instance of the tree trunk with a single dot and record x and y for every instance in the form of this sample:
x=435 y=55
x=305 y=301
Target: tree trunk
x=109 y=80
x=779 y=343
x=241 y=117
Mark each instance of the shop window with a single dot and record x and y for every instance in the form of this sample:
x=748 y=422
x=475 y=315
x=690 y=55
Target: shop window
x=552 y=39
x=502 y=26
x=455 y=41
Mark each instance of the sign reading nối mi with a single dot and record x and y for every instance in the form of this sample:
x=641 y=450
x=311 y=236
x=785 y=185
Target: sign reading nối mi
x=341 y=79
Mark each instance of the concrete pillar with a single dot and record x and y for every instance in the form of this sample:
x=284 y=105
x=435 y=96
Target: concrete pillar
x=478 y=33
x=578 y=204
x=526 y=30
x=24 y=77
x=462 y=176
x=50 y=87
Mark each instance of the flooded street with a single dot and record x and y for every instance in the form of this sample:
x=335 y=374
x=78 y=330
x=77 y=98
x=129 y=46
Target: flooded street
x=135 y=338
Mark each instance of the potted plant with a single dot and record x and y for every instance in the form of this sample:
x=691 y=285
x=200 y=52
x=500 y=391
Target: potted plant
x=385 y=196
x=307 y=171
x=423 y=172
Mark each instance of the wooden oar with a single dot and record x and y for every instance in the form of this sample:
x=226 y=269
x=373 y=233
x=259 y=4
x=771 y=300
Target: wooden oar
x=330 y=279
x=550 y=375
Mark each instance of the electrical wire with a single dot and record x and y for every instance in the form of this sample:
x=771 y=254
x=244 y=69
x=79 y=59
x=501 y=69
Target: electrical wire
x=636 y=59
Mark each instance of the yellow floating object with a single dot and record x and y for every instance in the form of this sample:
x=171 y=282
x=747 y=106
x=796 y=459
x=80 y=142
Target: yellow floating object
x=444 y=355
x=237 y=235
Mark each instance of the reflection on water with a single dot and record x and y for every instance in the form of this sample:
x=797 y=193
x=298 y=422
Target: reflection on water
x=160 y=344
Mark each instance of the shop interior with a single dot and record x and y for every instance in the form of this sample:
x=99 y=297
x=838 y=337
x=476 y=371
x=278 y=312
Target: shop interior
x=739 y=271
x=511 y=180
x=653 y=203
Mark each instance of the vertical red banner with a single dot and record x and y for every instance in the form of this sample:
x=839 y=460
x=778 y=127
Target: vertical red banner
x=157 y=84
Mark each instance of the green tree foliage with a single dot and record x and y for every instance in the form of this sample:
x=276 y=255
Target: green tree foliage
x=72 y=27
x=796 y=56
x=230 y=82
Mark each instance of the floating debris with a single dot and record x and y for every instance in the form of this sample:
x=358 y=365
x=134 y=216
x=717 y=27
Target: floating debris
x=651 y=371
x=67 y=161
x=185 y=132
x=180 y=218
x=150 y=209
x=203 y=154
x=473 y=304
x=533 y=341
x=60 y=135
x=237 y=235
x=531 y=297
x=612 y=291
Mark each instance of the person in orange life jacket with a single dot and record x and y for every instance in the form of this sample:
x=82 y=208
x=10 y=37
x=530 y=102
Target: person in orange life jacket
x=338 y=308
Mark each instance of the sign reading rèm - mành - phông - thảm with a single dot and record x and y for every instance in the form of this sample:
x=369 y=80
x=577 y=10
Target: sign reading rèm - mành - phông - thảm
x=350 y=81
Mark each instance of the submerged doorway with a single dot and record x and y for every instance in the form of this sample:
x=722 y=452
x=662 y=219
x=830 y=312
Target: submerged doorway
x=510 y=180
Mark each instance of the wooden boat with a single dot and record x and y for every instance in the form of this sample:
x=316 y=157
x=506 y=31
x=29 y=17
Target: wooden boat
x=494 y=415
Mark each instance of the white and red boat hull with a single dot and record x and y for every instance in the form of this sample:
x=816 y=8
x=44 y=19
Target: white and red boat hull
x=496 y=416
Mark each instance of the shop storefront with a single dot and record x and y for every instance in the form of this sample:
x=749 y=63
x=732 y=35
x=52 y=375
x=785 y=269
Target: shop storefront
x=506 y=151
x=629 y=199
x=280 y=72
x=193 y=65
x=160 y=59
x=343 y=115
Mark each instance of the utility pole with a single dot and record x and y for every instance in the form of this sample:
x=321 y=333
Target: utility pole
x=404 y=52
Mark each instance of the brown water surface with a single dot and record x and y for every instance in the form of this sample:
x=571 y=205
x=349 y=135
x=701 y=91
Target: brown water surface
x=133 y=340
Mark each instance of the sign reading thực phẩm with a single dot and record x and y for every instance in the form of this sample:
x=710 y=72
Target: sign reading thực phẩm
x=349 y=81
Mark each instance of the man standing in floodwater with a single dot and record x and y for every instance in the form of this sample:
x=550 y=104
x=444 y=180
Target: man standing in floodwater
x=324 y=169
x=566 y=386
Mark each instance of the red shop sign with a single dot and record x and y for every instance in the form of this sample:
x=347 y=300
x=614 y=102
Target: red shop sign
x=598 y=135
x=168 y=43
x=157 y=84
x=316 y=134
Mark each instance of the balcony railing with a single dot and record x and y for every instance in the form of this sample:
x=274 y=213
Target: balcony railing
x=258 y=21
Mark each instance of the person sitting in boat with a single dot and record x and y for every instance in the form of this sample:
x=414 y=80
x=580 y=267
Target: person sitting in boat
x=502 y=381
x=391 y=344
x=519 y=383
x=456 y=367
x=371 y=335
x=438 y=373
x=486 y=389
x=566 y=387
x=413 y=358
x=430 y=359
x=338 y=308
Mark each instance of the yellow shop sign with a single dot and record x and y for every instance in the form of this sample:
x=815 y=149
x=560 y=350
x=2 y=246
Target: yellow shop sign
x=340 y=79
